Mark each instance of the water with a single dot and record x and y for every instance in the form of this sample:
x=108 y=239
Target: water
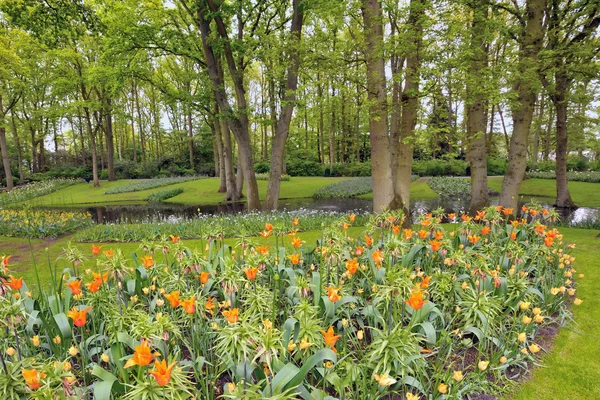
x=176 y=213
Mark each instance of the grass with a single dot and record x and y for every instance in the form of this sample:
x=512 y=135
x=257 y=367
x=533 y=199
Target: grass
x=197 y=192
x=583 y=193
x=571 y=370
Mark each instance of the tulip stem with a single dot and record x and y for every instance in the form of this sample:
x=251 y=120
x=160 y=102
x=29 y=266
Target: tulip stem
x=3 y=363
x=17 y=342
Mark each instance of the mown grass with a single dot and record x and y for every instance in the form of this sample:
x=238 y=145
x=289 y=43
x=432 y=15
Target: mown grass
x=197 y=192
x=584 y=194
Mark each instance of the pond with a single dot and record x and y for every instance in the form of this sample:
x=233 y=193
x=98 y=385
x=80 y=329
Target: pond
x=176 y=213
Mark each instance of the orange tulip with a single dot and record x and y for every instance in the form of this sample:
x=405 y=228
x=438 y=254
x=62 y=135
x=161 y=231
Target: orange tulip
x=396 y=229
x=439 y=235
x=93 y=286
x=425 y=282
x=545 y=211
x=203 y=277
x=148 y=261
x=533 y=212
x=352 y=266
x=330 y=338
x=416 y=300
x=359 y=250
x=75 y=286
x=232 y=315
x=142 y=356
x=333 y=294
x=210 y=305
x=161 y=372
x=173 y=298
x=15 y=283
x=268 y=227
x=423 y=234
x=263 y=250
x=473 y=239
x=435 y=245
x=265 y=234
x=548 y=241
x=513 y=235
x=507 y=211
x=295 y=222
x=99 y=277
x=377 y=256
x=79 y=317
x=96 y=249
x=33 y=377
x=368 y=240
x=109 y=253
x=486 y=230
x=294 y=258
x=451 y=216
x=408 y=234
x=189 y=305
x=174 y=239
x=352 y=217
x=251 y=273
x=296 y=242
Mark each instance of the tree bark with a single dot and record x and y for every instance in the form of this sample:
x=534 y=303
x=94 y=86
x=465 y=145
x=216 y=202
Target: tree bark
x=526 y=93
x=238 y=122
x=383 y=191
x=19 y=147
x=563 y=197
x=4 y=149
x=410 y=105
x=110 y=147
x=476 y=108
x=190 y=138
x=287 y=110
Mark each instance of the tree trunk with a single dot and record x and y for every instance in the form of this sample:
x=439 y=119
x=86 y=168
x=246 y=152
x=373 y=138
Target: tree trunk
x=476 y=109
x=4 y=150
x=563 y=197
x=220 y=156
x=526 y=94
x=190 y=138
x=133 y=91
x=239 y=179
x=383 y=191
x=287 y=110
x=410 y=106
x=110 y=147
x=238 y=123
x=228 y=161
x=19 y=148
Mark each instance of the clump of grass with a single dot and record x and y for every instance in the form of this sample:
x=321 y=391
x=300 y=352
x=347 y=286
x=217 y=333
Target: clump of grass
x=162 y=195
x=150 y=184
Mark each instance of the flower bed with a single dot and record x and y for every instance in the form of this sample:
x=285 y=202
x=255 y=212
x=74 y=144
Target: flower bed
x=424 y=314
x=346 y=188
x=146 y=184
x=575 y=176
x=32 y=224
x=162 y=195
x=35 y=189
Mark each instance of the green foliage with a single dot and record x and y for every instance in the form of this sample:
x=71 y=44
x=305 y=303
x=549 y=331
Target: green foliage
x=574 y=176
x=440 y=167
x=346 y=188
x=162 y=195
x=265 y=177
x=30 y=223
x=149 y=184
x=447 y=187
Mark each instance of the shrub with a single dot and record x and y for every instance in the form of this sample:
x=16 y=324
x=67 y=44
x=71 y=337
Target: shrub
x=150 y=184
x=496 y=166
x=265 y=177
x=162 y=195
x=545 y=166
x=587 y=176
x=440 y=167
x=346 y=188
x=299 y=167
x=576 y=163
x=262 y=167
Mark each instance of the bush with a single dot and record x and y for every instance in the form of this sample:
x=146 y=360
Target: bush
x=162 y=195
x=262 y=167
x=574 y=176
x=350 y=169
x=496 y=166
x=299 y=167
x=346 y=188
x=265 y=177
x=576 y=163
x=440 y=167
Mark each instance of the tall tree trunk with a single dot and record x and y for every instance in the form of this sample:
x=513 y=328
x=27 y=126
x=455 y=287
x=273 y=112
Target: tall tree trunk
x=238 y=122
x=19 y=147
x=4 y=149
x=110 y=146
x=133 y=91
x=190 y=138
x=92 y=136
x=526 y=93
x=140 y=126
x=476 y=108
x=228 y=161
x=220 y=154
x=287 y=110
x=535 y=147
x=239 y=179
x=383 y=191
x=548 y=135
x=321 y=120
x=332 y=130
x=410 y=107
x=563 y=197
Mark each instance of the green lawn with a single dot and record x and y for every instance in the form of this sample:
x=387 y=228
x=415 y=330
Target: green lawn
x=197 y=192
x=583 y=193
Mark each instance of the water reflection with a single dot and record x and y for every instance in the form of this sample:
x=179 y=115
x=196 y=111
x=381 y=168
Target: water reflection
x=177 y=213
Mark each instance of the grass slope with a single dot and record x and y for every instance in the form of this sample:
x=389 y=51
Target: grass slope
x=197 y=192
